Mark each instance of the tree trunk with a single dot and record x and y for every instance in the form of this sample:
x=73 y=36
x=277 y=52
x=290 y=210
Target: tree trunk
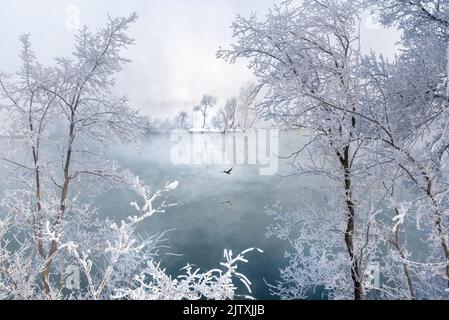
x=440 y=230
x=350 y=225
x=428 y=191
x=38 y=223
x=62 y=208
x=443 y=241
x=409 y=278
x=406 y=269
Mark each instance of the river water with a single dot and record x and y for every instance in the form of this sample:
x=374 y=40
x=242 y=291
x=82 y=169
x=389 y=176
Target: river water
x=215 y=210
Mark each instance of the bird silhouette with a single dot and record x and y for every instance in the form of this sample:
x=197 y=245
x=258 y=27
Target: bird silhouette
x=228 y=171
x=227 y=202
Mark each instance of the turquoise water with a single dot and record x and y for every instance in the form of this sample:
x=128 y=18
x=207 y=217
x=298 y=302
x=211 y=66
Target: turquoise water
x=215 y=211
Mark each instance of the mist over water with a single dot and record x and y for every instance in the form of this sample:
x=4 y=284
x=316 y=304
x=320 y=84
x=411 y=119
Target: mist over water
x=214 y=211
x=204 y=222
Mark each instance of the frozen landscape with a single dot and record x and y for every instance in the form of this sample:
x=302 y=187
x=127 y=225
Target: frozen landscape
x=295 y=150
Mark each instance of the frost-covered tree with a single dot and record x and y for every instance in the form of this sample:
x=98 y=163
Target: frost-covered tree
x=115 y=261
x=182 y=120
x=207 y=102
x=246 y=115
x=227 y=117
x=73 y=102
x=305 y=58
x=69 y=119
x=409 y=111
x=90 y=114
x=378 y=128
x=237 y=112
x=216 y=284
x=30 y=111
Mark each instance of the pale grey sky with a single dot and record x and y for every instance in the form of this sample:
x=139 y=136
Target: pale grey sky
x=173 y=61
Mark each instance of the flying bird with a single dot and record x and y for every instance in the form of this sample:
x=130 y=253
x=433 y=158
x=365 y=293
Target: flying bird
x=227 y=202
x=228 y=172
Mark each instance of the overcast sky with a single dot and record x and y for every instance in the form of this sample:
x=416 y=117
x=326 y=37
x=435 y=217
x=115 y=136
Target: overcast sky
x=173 y=61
